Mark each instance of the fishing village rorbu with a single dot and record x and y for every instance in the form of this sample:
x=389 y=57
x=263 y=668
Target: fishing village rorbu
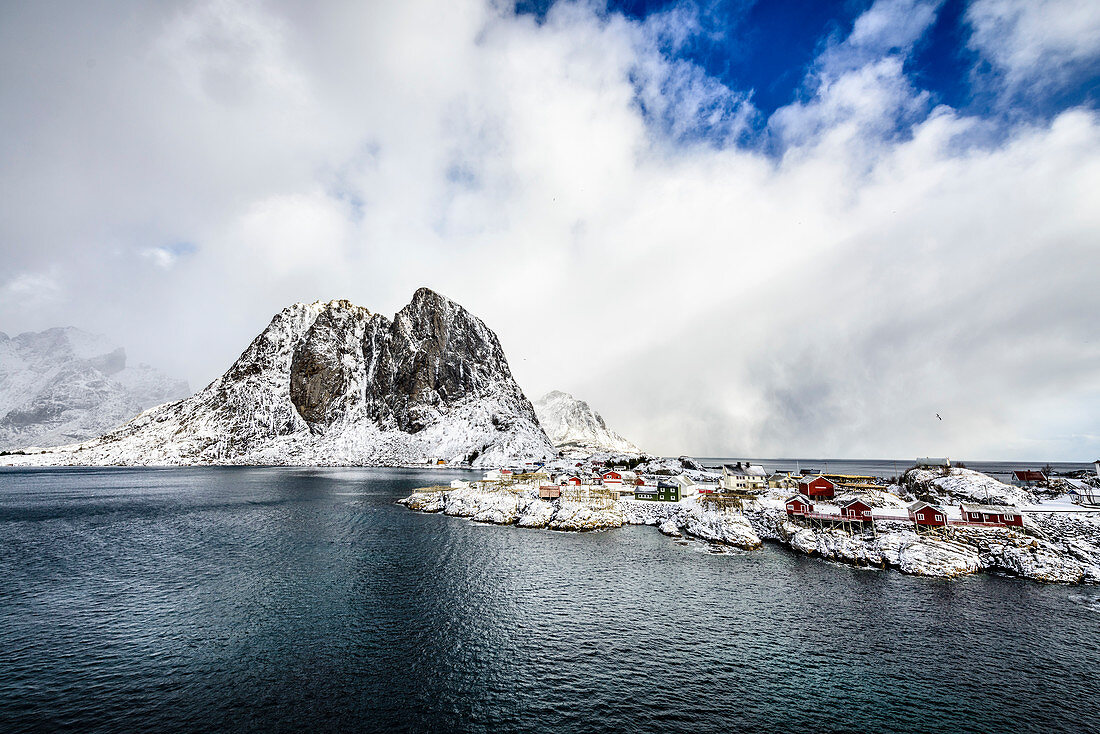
x=934 y=519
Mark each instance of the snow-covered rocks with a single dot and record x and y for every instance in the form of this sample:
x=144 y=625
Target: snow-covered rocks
x=425 y=501
x=910 y=553
x=965 y=485
x=579 y=517
x=520 y=506
x=905 y=551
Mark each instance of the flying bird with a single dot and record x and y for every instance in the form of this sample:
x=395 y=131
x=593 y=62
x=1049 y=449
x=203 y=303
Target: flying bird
x=938 y=416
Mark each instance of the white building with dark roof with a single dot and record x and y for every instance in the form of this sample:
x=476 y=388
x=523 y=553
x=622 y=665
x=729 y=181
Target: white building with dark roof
x=741 y=476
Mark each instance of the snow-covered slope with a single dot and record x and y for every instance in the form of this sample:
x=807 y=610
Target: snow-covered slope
x=572 y=424
x=63 y=385
x=332 y=383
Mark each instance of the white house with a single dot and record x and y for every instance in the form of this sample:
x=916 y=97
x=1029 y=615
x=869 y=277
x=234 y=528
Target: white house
x=742 y=476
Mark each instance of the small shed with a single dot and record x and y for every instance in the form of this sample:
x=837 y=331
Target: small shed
x=549 y=491
x=855 y=509
x=992 y=514
x=927 y=515
x=571 y=480
x=799 y=505
x=817 y=487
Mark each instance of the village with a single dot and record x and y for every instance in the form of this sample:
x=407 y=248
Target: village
x=933 y=519
x=856 y=503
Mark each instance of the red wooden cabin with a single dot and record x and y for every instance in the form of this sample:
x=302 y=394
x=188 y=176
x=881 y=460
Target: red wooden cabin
x=612 y=477
x=549 y=492
x=817 y=488
x=992 y=514
x=799 y=505
x=856 y=510
x=927 y=515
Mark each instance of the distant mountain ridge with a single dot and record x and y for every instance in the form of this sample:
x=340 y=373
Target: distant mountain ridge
x=573 y=424
x=64 y=384
x=333 y=383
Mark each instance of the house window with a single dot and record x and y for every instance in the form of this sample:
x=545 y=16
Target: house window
x=939 y=518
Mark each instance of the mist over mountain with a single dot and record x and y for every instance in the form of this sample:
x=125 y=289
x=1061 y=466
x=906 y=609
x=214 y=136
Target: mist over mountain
x=63 y=385
x=573 y=424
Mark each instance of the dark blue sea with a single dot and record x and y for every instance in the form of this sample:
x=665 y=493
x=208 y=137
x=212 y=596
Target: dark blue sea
x=239 y=599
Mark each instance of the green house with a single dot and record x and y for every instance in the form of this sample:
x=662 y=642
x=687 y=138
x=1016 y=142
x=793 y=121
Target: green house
x=661 y=493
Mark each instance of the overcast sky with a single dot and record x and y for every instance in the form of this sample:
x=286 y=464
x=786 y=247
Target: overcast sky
x=734 y=228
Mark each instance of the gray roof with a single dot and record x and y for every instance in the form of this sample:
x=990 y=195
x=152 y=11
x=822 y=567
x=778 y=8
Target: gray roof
x=744 y=469
x=921 y=505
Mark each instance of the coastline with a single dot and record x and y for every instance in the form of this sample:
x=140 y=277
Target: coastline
x=1064 y=550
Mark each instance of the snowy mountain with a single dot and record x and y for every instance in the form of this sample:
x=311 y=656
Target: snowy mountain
x=332 y=383
x=572 y=424
x=63 y=385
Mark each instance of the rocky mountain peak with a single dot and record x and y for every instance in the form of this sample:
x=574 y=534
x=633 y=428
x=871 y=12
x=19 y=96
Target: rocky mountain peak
x=330 y=382
x=573 y=424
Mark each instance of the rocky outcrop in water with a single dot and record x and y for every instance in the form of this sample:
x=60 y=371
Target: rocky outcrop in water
x=333 y=383
x=521 y=508
x=1060 y=548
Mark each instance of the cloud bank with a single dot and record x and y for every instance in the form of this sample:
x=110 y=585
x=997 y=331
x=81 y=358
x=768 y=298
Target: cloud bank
x=822 y=280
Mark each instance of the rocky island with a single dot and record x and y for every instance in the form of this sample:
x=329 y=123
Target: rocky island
x=1055 y=543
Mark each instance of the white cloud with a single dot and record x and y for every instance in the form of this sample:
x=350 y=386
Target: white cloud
x=30 y=291
x=1037 y=42
x=550 y=176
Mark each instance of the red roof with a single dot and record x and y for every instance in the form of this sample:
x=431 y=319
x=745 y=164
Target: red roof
x=1029 y=476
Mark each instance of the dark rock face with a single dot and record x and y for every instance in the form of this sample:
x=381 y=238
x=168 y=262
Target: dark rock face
x=403 y=373
x=319 y=373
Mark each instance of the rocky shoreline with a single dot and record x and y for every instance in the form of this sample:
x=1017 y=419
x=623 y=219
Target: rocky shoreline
x=1055 y=550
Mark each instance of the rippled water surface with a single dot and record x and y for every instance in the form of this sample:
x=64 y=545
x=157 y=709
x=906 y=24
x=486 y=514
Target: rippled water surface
x=292 y=599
